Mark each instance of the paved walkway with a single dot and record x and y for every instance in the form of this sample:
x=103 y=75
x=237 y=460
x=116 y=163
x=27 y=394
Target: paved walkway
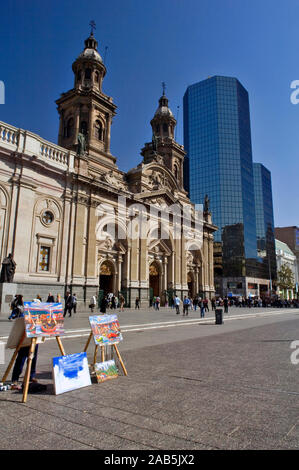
x=234 y=390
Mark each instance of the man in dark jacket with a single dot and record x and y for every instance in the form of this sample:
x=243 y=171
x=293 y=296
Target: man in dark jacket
x=68 y=304
x=50 y=298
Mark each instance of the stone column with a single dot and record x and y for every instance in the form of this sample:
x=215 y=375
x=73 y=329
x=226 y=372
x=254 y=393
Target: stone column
x=78 y=261
x=205 y=262
x=23 y=227
x=184 y=264
x=91 y=244
x=108 y=133
x=165 y=263
x=65 y=234
x=77 y=125
x=211 y=262
x=119 y=262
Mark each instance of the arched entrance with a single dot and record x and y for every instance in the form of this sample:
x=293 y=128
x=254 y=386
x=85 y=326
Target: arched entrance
x=191 y=285
x=106 y=278
x=154 y=281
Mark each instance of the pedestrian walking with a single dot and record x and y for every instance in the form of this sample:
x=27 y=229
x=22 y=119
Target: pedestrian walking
x=137 y=302
x=17 y=307
x=206 y=304
x=92 y=303
x=186 y=305
x=157 y=303
x=177 y=302
x=225 y=303
x=104 y=304
x=201 y=305
x=113 y=303
x=121 y=302
x=68 y=304
x=75 y=303
x=58 y=298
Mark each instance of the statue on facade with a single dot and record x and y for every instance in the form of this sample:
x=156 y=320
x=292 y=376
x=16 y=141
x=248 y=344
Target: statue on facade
x=81 y=140
x=154 y=142
x=206 y=204
x=8 y=269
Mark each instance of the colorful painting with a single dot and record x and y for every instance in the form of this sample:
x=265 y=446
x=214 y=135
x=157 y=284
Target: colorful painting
x=105 y=370
x=70 y=372
x=43 y=319
x=105 y=329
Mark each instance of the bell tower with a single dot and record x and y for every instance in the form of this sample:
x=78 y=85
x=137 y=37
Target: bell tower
x=163 y=143
x=86 y=109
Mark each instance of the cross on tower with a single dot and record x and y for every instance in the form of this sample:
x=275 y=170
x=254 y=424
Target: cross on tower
x=163 y=87
x=92 y=24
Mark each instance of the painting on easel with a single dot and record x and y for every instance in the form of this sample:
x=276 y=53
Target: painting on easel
x=43 y=319
x=105 y=329
x=70 y=372
x=105 y=370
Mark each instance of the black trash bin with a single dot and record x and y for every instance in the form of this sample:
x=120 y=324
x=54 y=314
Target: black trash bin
x=218 y=316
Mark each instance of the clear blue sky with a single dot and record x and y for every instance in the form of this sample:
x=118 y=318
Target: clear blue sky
x=150 y=41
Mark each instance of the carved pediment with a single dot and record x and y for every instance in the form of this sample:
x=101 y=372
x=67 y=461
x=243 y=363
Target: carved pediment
x=112 y=180
x=159 y=247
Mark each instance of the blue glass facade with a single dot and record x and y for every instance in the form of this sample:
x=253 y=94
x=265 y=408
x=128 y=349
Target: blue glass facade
x=264 y=219
x=217 y=139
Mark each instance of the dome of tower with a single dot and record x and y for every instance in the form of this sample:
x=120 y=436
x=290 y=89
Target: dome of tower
x=90 y=54
x=163 y=109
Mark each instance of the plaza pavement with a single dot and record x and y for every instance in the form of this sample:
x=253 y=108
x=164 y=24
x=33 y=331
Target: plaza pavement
x=192 y=385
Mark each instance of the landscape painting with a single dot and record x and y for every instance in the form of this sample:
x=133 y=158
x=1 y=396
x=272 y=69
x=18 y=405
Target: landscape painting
x=105 y=370
x=70 y=372
x=43 y=319
x=105 y=329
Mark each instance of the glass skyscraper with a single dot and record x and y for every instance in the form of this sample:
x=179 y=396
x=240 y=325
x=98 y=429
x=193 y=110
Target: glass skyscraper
x=264 y=219
x=217 y=138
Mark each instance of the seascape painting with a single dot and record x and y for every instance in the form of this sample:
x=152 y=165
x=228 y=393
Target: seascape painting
x=43 y=319
x=105 y=329
x=70 y=372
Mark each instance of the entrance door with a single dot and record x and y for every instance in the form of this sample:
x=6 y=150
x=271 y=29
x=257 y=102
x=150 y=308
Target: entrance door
x=190 y=283
x=154 y=280
x=106 y=278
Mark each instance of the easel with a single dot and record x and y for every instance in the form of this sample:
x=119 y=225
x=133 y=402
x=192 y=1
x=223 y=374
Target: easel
x=29 y=362
x=103 y=353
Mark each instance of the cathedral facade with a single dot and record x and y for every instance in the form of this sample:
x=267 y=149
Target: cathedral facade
x=74 y=221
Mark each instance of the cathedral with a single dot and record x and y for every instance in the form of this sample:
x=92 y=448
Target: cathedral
x=74 y=221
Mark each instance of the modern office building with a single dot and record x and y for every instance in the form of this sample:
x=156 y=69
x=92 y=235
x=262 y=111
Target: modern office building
x=264 y=220
x=217 y=138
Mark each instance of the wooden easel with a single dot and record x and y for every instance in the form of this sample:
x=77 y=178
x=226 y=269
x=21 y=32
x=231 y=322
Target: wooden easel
x=103 y=353
x=29 y=362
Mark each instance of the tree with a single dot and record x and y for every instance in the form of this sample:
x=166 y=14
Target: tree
x=285 y=278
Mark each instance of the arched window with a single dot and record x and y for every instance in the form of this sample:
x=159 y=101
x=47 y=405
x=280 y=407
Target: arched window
x=157 y=129
x=83 y=128
x=68 y=130
x=176 y=172
x=165 y=129
x=99 y=134
x=88 y=74
x=79 y=76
